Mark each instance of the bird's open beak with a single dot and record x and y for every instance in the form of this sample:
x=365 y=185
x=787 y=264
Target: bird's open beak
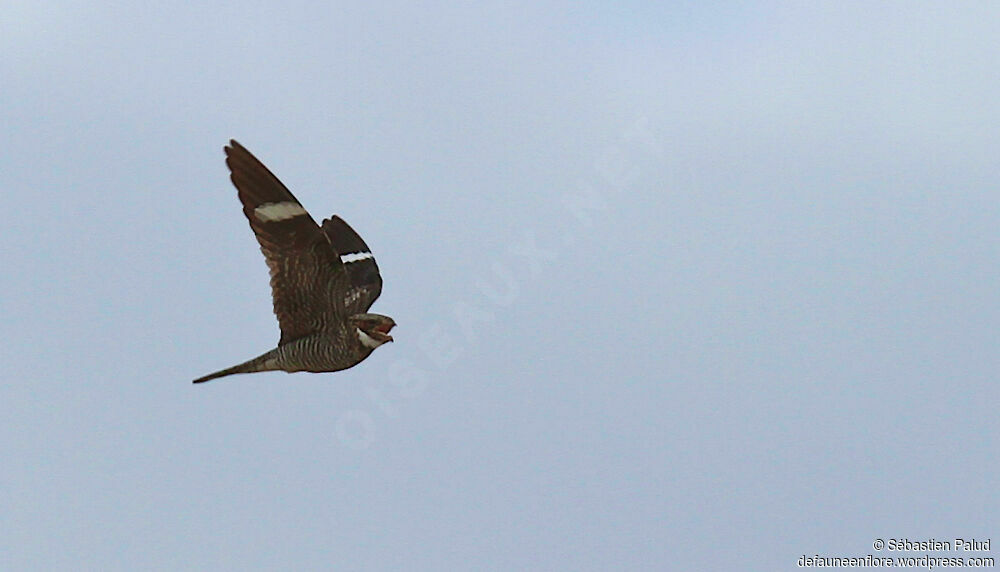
x=384 y=331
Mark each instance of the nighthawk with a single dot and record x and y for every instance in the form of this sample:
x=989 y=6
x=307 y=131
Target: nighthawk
x=323 y=278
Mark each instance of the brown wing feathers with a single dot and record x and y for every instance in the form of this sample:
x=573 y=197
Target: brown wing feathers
x=298 y=255
x=366 y=283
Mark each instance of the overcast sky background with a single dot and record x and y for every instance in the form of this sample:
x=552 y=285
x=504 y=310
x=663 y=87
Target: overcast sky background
x=679 y=285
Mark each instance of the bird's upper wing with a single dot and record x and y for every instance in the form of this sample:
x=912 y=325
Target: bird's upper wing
x=365 y=280
x=304 y=268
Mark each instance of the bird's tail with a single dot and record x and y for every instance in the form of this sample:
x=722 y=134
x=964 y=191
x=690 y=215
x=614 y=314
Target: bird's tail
x=265 y=362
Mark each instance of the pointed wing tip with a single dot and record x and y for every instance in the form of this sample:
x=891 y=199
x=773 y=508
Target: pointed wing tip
x=236 y=153
x=233 y=146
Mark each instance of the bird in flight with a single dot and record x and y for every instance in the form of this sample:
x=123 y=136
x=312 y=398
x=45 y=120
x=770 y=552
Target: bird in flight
x=323 y=278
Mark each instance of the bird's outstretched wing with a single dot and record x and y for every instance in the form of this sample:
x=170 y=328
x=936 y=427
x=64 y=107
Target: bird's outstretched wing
x=304 y=268
x=365 y=280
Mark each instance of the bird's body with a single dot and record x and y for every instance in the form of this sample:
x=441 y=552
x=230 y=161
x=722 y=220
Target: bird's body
x=323 y=278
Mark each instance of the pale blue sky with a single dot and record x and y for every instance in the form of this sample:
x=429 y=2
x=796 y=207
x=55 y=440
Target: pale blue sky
x=679 y=286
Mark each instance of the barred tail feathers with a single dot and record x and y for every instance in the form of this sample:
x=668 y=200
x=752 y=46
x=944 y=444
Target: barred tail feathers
x=264 y=362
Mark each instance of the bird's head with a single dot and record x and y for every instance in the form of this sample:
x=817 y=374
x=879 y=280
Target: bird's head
x=372 y=329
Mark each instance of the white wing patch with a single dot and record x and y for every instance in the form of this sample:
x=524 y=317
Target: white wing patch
x=366 y=340
x=355 y=257
x=274 y=212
